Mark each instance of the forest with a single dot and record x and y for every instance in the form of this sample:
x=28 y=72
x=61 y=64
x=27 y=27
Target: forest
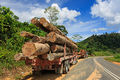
x=106 y=44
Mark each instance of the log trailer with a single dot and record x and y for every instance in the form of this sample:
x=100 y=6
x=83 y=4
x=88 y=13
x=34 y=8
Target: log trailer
x=55 y=51
x=60 y=65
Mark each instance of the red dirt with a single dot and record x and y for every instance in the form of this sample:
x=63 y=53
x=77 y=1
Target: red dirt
x=118 y=63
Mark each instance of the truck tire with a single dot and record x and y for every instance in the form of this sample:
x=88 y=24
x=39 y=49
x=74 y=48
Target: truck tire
x=36 y=73
x=74 y=61
x=66 y=67
x=59 y=70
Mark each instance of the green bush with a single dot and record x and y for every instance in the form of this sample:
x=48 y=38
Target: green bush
x=117 y=56
x=103 y=53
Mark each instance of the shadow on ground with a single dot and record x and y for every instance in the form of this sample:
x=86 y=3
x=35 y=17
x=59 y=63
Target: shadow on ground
x=44 y=75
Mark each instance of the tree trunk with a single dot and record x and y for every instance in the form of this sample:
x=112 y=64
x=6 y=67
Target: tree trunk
x=59 y=48
x=43 y=24
x=53 y=56
x=19 y=57
x=39 y=39
x=56 y=38
x=27 y=34
x=35 y=49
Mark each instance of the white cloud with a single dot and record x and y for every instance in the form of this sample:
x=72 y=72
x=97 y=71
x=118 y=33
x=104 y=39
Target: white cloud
x=119 y=31
x=109 y=10
x=65 y=14
x=47 y=1
x=98 y=29
x=26 y=12
x=79 y=26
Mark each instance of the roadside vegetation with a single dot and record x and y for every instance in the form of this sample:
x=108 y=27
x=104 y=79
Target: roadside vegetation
x=10 y=40
x=115 y=58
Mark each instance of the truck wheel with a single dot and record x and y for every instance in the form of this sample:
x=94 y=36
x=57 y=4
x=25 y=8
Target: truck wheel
x=36 y=73
x=59 y=70
x=75 y=61
x=66 y=66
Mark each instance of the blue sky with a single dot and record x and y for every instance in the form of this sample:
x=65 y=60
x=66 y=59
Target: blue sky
x=84 y=17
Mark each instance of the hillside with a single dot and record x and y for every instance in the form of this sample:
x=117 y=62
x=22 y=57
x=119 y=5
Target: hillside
x=10 y=39
x=107 y=43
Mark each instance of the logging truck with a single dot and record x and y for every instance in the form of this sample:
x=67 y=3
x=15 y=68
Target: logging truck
x=60 y=65
x=55 y=51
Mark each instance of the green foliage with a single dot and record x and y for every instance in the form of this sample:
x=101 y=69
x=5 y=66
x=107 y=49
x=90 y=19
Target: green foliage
x=10 y=40
x=104 y=42
x=53 y=17
x=62 y=28
x=102 y=53
x=7 y=60
x=116 y=58
x=52 y=12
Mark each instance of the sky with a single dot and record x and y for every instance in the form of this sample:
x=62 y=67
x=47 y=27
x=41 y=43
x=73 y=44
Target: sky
x=84 y=17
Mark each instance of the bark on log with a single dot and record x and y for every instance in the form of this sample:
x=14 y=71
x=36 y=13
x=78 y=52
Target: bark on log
x=39 y=39
x=43 y=24
x=59 y=48
x=53 y=56
x=27 y=34
x=19 y=57
x=56 y=38
x=35 y=49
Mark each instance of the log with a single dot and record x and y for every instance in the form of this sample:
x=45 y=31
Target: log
x=19 y=57
x=53 y=56
x=43 y=24
x=56 y=38
x=35 y=49
x=39 y=39
x=27 y=34
x=58 y=48
x=36 y=22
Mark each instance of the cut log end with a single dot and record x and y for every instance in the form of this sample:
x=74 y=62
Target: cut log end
x=19 y=57
x=28 y=49
x=35 y=21
x=44 y=22
x=51 y=37
x=34 y=49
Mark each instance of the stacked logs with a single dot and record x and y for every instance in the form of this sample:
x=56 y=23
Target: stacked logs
x=54 y=45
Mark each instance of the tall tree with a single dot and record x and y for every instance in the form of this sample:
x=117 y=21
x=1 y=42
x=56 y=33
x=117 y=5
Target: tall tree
x=52 y=14
x=53 y=17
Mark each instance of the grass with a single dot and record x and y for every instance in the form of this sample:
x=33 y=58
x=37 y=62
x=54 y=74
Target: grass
x=7 y=60
x=18 y=77
x=102 y=53
x=115 y=58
